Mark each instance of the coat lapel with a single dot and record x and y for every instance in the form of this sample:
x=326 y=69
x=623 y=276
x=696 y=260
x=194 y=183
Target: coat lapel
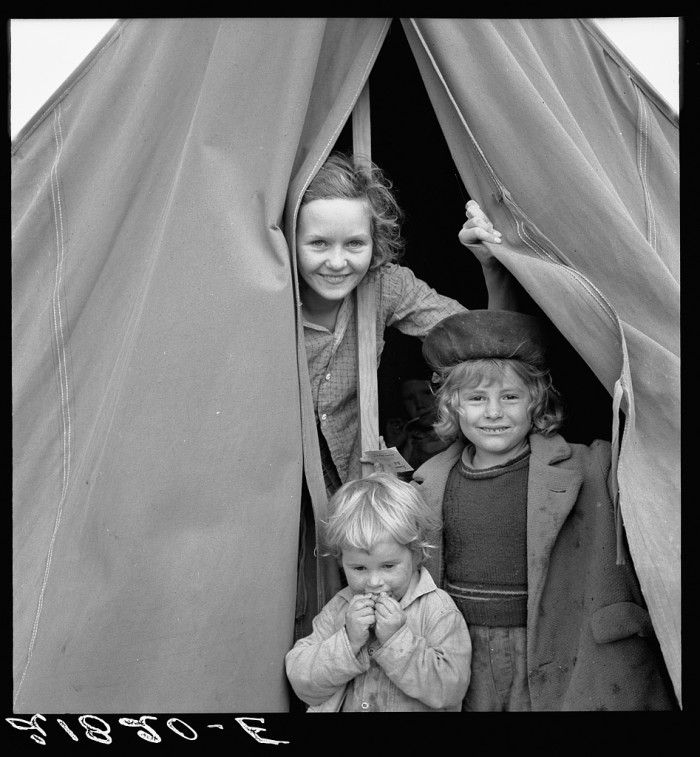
x=552 y=492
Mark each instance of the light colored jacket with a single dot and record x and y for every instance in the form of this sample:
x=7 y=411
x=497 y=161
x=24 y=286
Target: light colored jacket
x=590 y=641
x=424 y=666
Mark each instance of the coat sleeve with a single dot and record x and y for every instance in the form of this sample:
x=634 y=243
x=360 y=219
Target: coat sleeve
x=432 y=666
x=322 y=663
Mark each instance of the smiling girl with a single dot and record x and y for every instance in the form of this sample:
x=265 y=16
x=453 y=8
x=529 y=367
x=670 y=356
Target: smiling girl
x=349 y=227
x=528 y=549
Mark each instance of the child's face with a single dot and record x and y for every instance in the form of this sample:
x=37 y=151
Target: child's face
x=495 y=419
x=388 y=566
x=334 y=248
x=418 y=401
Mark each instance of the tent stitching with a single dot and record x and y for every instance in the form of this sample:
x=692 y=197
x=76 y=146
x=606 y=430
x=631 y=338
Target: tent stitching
x=620 y=390
x=588 y=285
x=629 y=70
x=57 y=320
x=57 y=312
x=642 y=150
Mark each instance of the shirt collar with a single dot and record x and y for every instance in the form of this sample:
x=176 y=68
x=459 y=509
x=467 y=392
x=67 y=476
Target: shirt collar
x=341 y=321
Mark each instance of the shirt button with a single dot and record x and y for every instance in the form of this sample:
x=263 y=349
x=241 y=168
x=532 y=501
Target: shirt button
x=370 y=651
x=328 y=377
x=323 y=417
x=365 y=705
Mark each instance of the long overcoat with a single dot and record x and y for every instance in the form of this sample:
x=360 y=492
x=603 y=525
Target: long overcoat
x=590 y=640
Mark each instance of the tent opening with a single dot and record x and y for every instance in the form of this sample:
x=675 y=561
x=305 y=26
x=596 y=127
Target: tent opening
x=407 y=142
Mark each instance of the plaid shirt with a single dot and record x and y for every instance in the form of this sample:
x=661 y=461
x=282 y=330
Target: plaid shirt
x=403 y=301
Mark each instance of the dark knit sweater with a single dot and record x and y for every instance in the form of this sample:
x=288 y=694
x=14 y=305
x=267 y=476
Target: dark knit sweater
x=485 y=528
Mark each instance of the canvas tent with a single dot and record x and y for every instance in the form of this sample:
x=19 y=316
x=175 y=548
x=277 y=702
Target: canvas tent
x=162 y=420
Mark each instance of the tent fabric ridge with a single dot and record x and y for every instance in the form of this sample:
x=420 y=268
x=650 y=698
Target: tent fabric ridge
x=621 y=390
x=477 y=147
x=622 y=387
x=65 y=413
x=642 y=151
x=57 y=311
x=533 y=245
x=591 y=288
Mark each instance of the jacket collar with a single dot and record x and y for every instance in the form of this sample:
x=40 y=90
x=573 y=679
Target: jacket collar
x=549 y=449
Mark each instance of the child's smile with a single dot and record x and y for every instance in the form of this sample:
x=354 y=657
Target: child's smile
x=334 y=251
x=494 y=417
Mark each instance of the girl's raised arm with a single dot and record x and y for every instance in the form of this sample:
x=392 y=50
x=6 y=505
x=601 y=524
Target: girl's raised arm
x=500 y=284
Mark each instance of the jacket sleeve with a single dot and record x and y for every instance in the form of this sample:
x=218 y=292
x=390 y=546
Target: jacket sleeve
x=323 y=662
x=434 y=667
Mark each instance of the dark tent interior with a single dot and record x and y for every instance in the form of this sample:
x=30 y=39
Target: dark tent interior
x=408 y=144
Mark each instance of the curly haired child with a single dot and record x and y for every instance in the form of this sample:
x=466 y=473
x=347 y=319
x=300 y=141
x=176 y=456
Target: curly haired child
x=390 y=641
x=528 y=551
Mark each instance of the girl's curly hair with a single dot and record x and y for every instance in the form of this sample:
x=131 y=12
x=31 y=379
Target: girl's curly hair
x=546 y=408
x=349 y=177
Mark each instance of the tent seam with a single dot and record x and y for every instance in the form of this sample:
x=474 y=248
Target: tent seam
x=585 y=282
x=642 y=153
x=628 y=69
x=622 y=388
x=60 y=343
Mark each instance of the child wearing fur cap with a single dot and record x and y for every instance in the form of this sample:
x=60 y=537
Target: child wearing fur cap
x=528 y=549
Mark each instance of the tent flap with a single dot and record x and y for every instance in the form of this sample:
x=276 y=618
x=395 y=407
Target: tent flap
x=157 y=436
x=577 y=165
